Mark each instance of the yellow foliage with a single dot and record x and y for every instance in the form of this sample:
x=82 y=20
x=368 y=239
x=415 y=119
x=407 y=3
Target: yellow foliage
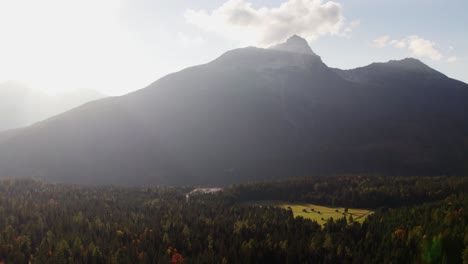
x=119 y=233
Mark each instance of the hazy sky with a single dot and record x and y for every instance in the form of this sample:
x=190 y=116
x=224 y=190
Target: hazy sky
x=116 y=46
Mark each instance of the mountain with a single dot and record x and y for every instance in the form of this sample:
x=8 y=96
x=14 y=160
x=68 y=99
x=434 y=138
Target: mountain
x=294 y=44
x=21 y=105
x=253 y=114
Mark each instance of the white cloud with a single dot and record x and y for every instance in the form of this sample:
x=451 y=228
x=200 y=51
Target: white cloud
x=423 y=48
x=452 y=59
x=401 y=44
x=239 y=20
x=381 y=42
x=354 y=24
x=416 y=45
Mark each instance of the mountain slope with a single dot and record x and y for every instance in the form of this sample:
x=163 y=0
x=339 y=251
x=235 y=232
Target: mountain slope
x=21 y=105
x=252 y=114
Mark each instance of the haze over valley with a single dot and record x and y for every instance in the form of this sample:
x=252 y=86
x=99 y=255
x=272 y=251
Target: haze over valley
x=21 y=105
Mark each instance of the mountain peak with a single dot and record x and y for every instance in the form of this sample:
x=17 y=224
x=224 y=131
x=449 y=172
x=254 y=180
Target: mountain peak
x=408 y=62
x=294 y=44
x=411 y=65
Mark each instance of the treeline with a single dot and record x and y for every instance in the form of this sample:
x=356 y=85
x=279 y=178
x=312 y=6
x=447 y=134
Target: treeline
x=352 y=191
x=52 y=223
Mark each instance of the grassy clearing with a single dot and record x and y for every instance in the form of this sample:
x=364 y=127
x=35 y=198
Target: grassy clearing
x=318 y=213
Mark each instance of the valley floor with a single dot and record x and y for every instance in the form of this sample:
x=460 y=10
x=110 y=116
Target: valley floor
x=410 y=220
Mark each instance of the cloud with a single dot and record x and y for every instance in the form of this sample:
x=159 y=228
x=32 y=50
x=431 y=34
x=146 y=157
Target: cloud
x=401 y=44
x=354 y=24
x=417 y=46
x=423 y=48
x=239 y=20
x=381 y=42
x=452 y=59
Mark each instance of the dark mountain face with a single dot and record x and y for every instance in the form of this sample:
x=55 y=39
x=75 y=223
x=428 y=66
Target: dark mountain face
x=255 y=114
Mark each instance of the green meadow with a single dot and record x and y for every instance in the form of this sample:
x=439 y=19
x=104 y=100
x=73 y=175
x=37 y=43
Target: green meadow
x=317 y=212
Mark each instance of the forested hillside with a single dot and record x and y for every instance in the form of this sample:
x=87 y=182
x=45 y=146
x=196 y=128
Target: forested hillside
x=353 y=191
x=50 y=223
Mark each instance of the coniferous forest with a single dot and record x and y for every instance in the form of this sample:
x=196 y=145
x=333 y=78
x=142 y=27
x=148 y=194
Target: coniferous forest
x=415 y=220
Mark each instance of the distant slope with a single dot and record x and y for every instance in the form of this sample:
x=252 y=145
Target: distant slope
x=7 y=135
x=21 y=105
x=254 y=114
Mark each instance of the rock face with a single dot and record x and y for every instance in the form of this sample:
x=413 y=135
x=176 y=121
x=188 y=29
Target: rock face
x=255 y=114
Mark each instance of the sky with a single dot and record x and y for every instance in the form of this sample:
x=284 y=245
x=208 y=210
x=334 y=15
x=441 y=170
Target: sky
x=118 y=46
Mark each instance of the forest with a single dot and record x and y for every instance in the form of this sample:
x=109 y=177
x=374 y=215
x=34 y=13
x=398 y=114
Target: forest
x=416 y=220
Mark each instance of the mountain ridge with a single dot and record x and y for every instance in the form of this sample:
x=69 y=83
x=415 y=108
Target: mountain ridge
x=240 y=119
